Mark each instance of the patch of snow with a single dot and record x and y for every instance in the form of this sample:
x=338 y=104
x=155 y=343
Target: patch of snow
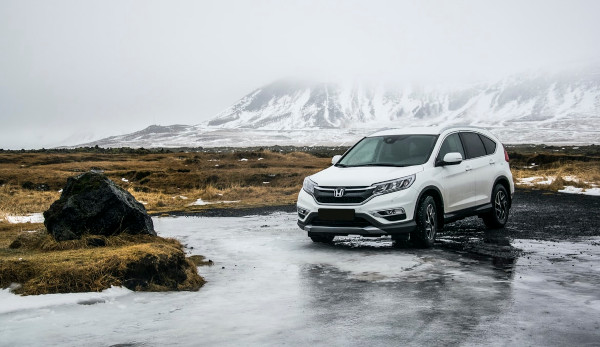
x=243 y=159
x=142 y=202
x=575 y=190
x=60 y=190
x=266 y=182
x=10 y=302
x=30 y=218
x=529 y=181
x=201 y=202
x=261 y=158
x=571 y=178
x=592 y=191
x=571 y=190
x=124 y=179
x=548 y=181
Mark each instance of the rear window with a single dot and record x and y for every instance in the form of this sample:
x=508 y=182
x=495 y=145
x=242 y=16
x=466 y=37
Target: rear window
x=473 y=145
x=490 y=145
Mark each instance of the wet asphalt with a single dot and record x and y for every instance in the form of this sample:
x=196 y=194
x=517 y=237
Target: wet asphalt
x=544 y=215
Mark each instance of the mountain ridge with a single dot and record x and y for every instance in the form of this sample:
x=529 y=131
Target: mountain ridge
x=535 y=108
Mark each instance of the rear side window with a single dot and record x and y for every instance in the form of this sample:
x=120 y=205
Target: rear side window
x=473 y=145
x=490 y=145
x=451 y=144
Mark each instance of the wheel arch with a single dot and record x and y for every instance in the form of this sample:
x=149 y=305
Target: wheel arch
x=503 y=180
x=434 y=192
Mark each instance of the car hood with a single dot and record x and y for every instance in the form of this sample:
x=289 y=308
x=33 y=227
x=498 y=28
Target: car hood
x=361 y=176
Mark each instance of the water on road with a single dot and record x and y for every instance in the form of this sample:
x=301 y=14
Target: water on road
x=270 y=285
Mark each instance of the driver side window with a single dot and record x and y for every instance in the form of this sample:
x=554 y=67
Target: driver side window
x=451 y=144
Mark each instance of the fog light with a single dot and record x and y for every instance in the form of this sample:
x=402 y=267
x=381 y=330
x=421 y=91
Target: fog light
x=390 y=212
x=302 y=212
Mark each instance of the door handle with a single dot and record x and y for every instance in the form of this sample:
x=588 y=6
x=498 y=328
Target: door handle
x=467 y=168
x=492 y=162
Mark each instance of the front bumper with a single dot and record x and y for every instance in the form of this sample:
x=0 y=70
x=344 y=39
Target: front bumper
x=365 y=222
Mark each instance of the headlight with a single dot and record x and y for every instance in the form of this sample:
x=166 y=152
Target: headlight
x=309 y=186
x=393 y=186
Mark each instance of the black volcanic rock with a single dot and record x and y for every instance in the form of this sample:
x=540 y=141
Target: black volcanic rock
x=93 y=204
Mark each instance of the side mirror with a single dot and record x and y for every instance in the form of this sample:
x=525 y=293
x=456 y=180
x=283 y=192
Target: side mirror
x=335 y=159
x=452 y=158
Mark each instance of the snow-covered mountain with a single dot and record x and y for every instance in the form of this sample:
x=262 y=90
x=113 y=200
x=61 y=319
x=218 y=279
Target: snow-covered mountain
x=551 y=108
x=555 y=101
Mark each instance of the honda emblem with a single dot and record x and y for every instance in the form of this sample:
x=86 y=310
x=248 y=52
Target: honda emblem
x=338 y=192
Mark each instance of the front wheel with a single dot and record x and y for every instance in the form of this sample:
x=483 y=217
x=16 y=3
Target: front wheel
x=498 y=216
x=427 y=223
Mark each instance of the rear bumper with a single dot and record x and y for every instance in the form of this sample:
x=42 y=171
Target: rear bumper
x=372 y=228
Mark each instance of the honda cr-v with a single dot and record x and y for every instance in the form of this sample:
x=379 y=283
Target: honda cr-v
x=407 y=183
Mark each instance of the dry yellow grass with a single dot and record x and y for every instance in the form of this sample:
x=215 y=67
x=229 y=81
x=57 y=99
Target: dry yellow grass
x=42 y=265
x=15 y=200
x=168 y=182
x=580 y=174
x=577 y=166
x=165 y=182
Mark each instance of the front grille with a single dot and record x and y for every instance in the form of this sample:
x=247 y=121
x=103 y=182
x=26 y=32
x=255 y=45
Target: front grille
x=352 y=195
x=342 y=200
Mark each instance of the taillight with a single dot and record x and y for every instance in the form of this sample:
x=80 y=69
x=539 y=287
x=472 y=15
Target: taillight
x=506 y=155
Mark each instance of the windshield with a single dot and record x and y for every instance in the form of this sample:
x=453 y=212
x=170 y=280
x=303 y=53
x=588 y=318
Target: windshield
x=394 y=150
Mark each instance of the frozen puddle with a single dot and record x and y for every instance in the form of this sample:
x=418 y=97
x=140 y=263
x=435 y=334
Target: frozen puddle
x=271 y=285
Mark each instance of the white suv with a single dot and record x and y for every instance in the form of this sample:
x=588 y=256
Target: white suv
x=407 y=183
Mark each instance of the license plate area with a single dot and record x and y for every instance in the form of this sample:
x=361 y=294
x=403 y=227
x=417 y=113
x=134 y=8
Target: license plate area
x=336 y=214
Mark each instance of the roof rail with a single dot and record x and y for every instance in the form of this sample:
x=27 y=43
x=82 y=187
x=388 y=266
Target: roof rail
x=460 y=126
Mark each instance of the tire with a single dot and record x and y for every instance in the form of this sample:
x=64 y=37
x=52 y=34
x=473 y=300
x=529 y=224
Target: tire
x=498 y=216
x=322 y=238
x=427 y=223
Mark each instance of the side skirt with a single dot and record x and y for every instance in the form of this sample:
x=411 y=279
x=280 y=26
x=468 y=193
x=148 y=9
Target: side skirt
x=468 y=212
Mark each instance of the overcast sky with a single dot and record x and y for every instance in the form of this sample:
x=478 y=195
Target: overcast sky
x=74 y=71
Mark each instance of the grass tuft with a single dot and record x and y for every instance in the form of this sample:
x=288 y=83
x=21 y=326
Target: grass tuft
x=42 y=265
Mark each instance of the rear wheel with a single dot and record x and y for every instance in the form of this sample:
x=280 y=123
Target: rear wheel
x=427 y=223
x=498 y=216
x=322 y=238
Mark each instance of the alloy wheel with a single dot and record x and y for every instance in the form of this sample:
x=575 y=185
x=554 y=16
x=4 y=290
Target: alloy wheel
x=430 y=221
x=500 y=205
